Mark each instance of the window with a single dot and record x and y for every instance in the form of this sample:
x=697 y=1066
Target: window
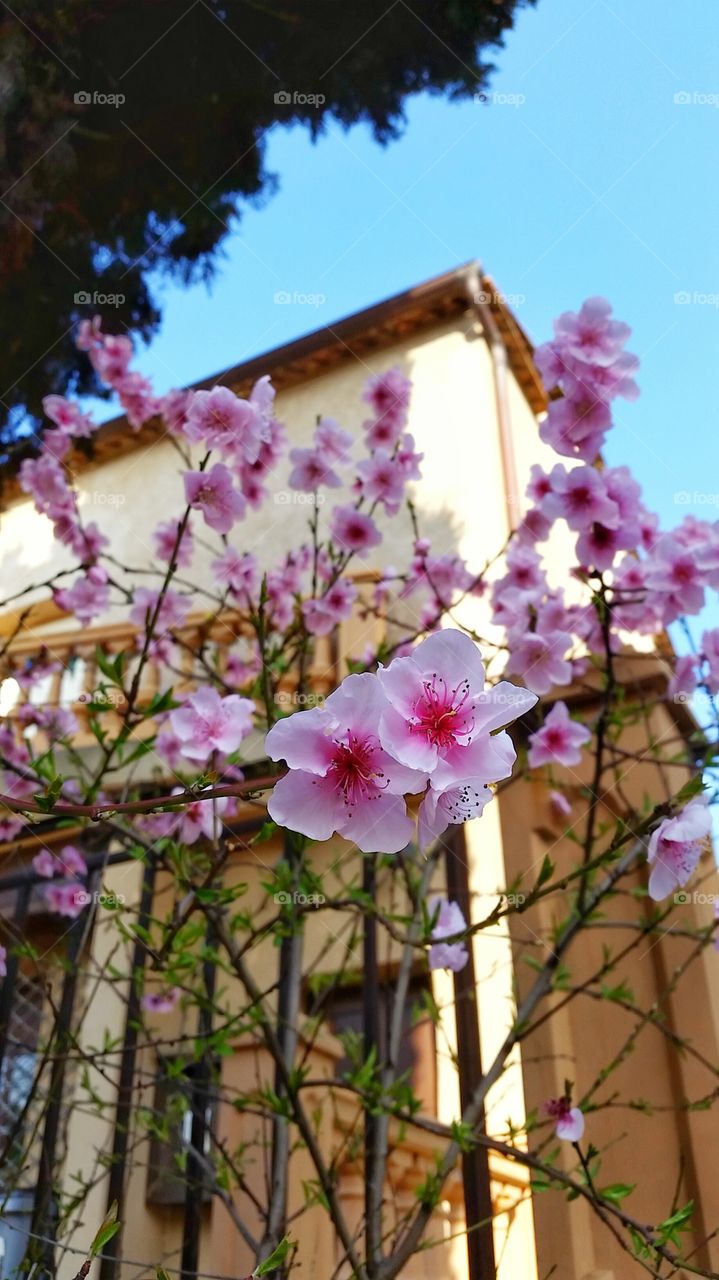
x=343 y=1011
x=181 y=1095
x=19 y=1064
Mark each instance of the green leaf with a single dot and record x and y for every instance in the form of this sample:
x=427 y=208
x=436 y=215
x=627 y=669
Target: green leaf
x=671 y=1228
x=617 y=1191
x=546 y=871
x=111 y=667
x=266 y=832
x=275 y=1259
x=108 y=1228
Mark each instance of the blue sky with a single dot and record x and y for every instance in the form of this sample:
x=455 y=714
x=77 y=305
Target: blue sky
x=595 y=180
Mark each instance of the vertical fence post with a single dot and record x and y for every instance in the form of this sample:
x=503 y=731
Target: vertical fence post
x=126 y=1079
x=371 y=1033
x=475 y=1162
x=199 y=1096
x=41 y=1250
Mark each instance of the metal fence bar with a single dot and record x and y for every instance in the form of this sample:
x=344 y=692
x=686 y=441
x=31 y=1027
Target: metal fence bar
x=7 y=991
x=475 y=1162
x=200 y=1094
x=41 y=1254
x=123 y=1112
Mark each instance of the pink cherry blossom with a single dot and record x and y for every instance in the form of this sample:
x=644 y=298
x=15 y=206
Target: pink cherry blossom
x=212 y=493
x=87 y=543
x=459 y=802
x=220 y=420
x=332 y=441
x=389 y=395
x=684 y=678
x=710 y=652
x=201 y=818
x=56 y=444
x=675 y=848
x=310 y=469
x=341 y=779
x=236 y=570
x=407 y=458
x=165 y=539
x=560 y=804
x=580 y=497
x=88 y=597
x=559 y=741
x=443 y=575
x=174 y=408
x=676 y=572
x=448 y=922
x=598 y=545
x=382 y=479
x=262 y=399
x=274 y=444
x=441 y=719
x=137 y=399
x=241 y=669
x=577 y=424
x=67 y=899
x=68 y=862
x=354 y=531
x=569 y=1120
x=590 y=335
x=45 y=864
x=71 y=861
x=534 y=527
x=57 y=722
x=206 y=722
x=198 y=818
x=540 y=483
x=68 y=416
x=322 y=615
x=540 y=659
x=45 y=480
x=173 y=610
x=88 y=334
x=169 y=747
x=523 y=568
x=161 y=1001
x=111 y=359
x=3 y=962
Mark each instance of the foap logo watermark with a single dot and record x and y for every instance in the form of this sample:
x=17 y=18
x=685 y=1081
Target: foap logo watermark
x=695 y=298
x=493 y=98
x=285 y=899
x=298 y=498
x=83 y=298
x=286 y=698
x=101 y=498
x=683 y=898
x=684 y=498
x=99 y=898
x=283 y=298
x=295 y=98
x=695 y=98
x=93 y=98
x=110 y=698
x=514 y=899
x=486 y=298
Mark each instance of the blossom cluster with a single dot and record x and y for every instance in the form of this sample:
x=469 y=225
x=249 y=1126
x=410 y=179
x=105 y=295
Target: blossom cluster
x=586 y=361
x=426 y=724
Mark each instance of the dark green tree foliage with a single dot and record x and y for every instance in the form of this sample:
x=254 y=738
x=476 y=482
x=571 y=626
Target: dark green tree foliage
x=97 y=194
